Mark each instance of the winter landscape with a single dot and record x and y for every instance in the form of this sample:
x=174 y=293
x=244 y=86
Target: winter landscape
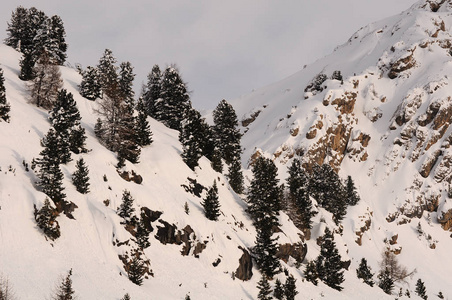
x=333 y=183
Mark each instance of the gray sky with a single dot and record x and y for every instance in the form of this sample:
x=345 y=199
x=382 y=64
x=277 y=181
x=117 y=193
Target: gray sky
x=223 y=48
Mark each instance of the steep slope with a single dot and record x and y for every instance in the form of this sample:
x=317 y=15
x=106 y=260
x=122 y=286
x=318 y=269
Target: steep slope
x=386 y=124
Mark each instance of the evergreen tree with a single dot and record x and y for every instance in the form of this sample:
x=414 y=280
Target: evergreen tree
x=440 y=295
x=235 y=176
x=80 y=177
x=278 y=291
x=46 y=220
x=127 y=141
x=18 y=30
x=58 y=33
x=211 y=204
x=136 y=271
x=364 y=272
x=175 y=100
x=329 y=265
x=45 y=86
x=65 y=290
x=352 y=195
x=143 y=130
x=310 y=272
x=337 y=75
x=125 y=210
x=90 y=87
x=126 y=78
x=27 y=70
x=4 y=105
x=265 y=252
x=50 y=175
x=217 y=164
x=227 y=136
x=386 y=283
x=126 y=297
x=142 y=234
x=420 y=289
x=108 y=76
x=153 y=91
x=45 y=42
x=190 y=138
x=290 y=289
x=264 y=289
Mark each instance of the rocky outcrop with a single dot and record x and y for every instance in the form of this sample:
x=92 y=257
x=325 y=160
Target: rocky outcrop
x=194 y=187
x=131 y=176
x=245 y=269
x=446 y=220
x=169 y=234
x=297 y=251
x=346 y=104
x=430 y=162
x=403 y=64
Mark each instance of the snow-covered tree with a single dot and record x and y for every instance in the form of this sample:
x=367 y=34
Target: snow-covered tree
x=27 y=70
x=136 y=271
x=290 y=288
x=108 y=75
x=364 y=272
x=278 y=291
x=126 y=209
x=264 y=289
x=46 y=220
x=190 y=136
x=386 y=283
x=265 y=250
x=211 y=203
x=4 y=105
x=352 y=195
x=80 y=177
x=235 y=176
x=153 y=91
x=90 y=87
x=65 y=290
x=142 y=127
x=420 y=289
x=126 y=77
x=328 y=263
x=310 y=273
x=142 y=234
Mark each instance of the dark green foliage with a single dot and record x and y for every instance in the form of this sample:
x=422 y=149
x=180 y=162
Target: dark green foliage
x=125 y=210
x=298 y=182
x=50 y=175
x=27 y=71
x=90 y=87
x=153 y=91
x=108 y=76
x=216 y=162
x=143 y=129
x=420 y=289
x=4 y=105
x=310 y=272
x=211 y=204
x=337 y=75
x=290 y=289
x=142 y=234
x=235 y=176
x=80 y=177
x=264 y=289
x=227 y=136
x=329 y=266
x=265 y=252
x=386 y=283
x=126 y=78
x=316 y=83
x=65 y=290
x=19 y=31
x=136 y=271
x=278 y=291
x=191 y=138
x=127 y=137
x=326 y=187
x=352 y=195
x=364 y=272
x=126 y=297
x=46 y=220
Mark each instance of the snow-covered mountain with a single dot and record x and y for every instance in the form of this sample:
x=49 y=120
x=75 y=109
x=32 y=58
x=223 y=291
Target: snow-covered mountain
x=386 y=123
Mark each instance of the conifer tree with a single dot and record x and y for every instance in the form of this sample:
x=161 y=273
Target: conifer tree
x=27 y=70
x=126 y=297
x=265 y=252
x=278 y=291
x=217 y=164
x=4 y=105
x=264 y=289
x=90 y=87
x=125 y=210
x=235 y=176
x=80 y=177
x=191 y=138
x=143 y=129
x=352 y=195
x=364 y=272
x=420 y=289
x=227 y=135
x=127 y=136
x=45 y=42
x=329 y=265
x=290 y=289
x=386 y=283
x=18 y=30
x=126 y=77
x=108 y=76
x=142 y=234
x=46 y=220
x=65 y=290
x=153 y=91
x=310 y=272
x=58 y=33
x=135 y=271
x=211 y=204
x=440 y=295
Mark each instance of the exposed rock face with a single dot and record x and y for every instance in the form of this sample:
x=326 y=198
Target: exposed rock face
x=446 y=220
x=298 y=251
x=149 y=216
x=194 y=187
x=427 y=166
x=403 y=64
x=245 y=270
x=168 y=234
x=131 y=176
x=67 y=207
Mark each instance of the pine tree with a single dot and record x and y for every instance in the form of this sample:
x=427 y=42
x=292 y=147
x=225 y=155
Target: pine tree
x=352 y=195
x=386 y=283
x=227 y=136
x=217 y=164
x=126 y=297
x=136 y=271
x=126 y=78
x=44 y=41
x=337 y=75
x=153 y=91
x=58 y=33
x=143 y=130
x=27 y=70
x=420 y=289
x=211 y=204
x=290 y=289
x=80 y=177
x=65 y=290
x=108 y=76
x=265 y=252
x=235 y=176
x=440 y=295
x=310 y=272
x=329 y=265
x=142 y=234
x=190 y=138
x=278 y=291
x=127 y=141
x=18 y=28
x=264 y=289
x=4 y=105
x=45 y=86
x=364 y=272
x=125 y=210
x=46 y=220
x=50 y=175
x=90 y=87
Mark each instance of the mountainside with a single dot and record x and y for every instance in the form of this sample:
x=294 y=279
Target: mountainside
x=385 y=123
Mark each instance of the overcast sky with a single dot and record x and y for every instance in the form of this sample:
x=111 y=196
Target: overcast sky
x=223 y=48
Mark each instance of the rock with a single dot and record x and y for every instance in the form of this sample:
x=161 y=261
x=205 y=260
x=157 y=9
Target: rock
x=430 y=162
x=149 y=216
x=131 y=176
x=446 y=220
x=346 y=104
x=298 y=251
x=194 y=187
x=402 y=64
x=311 y=134
x=251 y=119
x=66 y=207
x=245 y=270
